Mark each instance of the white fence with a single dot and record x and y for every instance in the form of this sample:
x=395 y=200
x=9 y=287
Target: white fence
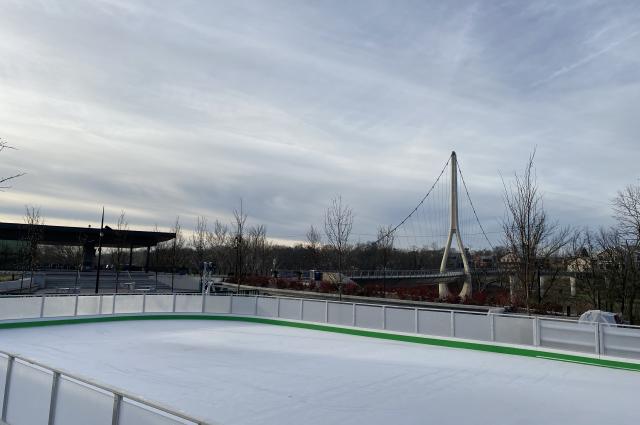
x=600 y=339
x=24 y=384
x=33 y=393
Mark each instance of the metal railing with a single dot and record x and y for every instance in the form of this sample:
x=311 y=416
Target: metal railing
x=546 y=333
x=19 y=409
x=403 y=274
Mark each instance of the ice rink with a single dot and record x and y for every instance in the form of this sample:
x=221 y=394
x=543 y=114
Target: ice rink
x=243 y=373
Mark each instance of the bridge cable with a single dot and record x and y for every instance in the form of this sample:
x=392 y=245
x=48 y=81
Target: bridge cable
x=473 y=207
x=417 y=206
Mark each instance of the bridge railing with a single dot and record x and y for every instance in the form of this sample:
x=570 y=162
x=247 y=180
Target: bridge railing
x=401 y=274
x=28 y=388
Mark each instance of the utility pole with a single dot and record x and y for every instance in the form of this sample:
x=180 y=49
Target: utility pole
x=100 y=251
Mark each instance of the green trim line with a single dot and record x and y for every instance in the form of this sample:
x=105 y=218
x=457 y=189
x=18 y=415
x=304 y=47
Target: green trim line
x=516 y=351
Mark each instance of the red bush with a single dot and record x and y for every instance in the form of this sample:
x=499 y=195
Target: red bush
x=350 y=288
x=261 y=281
x=477 y=298
x=326 y=287
x=282 y=284
x=501 y=297
x=372 y=291
x=420 y=293
x=453 y=299
x=296 y=285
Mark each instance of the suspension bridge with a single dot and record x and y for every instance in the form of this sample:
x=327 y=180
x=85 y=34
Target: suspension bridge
x=442 y=220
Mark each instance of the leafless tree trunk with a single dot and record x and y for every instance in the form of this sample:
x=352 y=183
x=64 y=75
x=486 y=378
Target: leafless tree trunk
x=199 y=243
x=626 y=208
x=528 y=233
x=314 y=243
x=613 y=259
x=221 y=244
x=239 y=243
x=338 y=222
x=176 y=249
x=34 y=222
x=257 y=249
x=118 y=254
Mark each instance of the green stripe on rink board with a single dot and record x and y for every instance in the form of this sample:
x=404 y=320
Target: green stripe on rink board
x=615 y=364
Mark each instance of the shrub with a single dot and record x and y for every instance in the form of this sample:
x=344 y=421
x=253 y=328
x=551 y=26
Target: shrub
x=350 y=288
x=500 y=298
x=261 y=281
x=296 y=285
x=326 y=287
x=282 y=284
x=477 y=298
x=453 y=299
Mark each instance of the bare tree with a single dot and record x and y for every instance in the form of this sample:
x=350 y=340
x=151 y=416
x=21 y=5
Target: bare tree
x=626 y=208
x=5 y=180
x=626 y=211
x=619 y=269
x=314 y=243
x=257 y=247
x=338 y=222
x=118 y=255
x=528 y=233
x=384 y=243
x=240 y=219
x=33 y=236
x=582 y=261
x=221 y=244
x=176 y=249
x=199 y=241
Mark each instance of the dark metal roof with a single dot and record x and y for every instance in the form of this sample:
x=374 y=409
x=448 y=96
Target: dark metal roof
x=62 y=235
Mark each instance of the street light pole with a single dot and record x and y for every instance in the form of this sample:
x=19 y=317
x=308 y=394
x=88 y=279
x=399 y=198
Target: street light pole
x=100 y=251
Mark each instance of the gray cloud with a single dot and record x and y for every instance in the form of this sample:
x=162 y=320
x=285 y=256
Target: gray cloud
x=165 y=109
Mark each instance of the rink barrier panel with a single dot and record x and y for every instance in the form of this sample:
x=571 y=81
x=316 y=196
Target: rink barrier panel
x=388 y=335
x=621 y=342
x=546 y=332
x=34 y=393
x=614 y=347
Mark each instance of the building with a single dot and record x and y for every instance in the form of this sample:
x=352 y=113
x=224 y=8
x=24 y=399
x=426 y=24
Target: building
x=89 y=238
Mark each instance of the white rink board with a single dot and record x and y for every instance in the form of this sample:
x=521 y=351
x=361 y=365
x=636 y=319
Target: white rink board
x=243 y=373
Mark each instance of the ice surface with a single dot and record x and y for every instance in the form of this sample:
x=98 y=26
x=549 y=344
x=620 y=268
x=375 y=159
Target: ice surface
x=241 y=373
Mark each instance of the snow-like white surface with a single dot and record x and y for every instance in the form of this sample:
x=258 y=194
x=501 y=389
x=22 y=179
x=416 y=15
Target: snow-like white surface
x=242 y=373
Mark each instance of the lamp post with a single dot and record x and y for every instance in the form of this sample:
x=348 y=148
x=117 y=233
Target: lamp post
x=100 y=251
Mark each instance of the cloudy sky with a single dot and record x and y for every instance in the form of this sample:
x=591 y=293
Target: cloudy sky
x=182 y=108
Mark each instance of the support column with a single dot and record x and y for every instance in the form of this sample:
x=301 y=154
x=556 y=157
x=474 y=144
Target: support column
x=573 y=283
x=443 y=290
x=146 y=261
x=130 y=256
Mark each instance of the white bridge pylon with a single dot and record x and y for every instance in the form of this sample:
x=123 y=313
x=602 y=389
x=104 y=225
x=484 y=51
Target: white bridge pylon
x=443 y=289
